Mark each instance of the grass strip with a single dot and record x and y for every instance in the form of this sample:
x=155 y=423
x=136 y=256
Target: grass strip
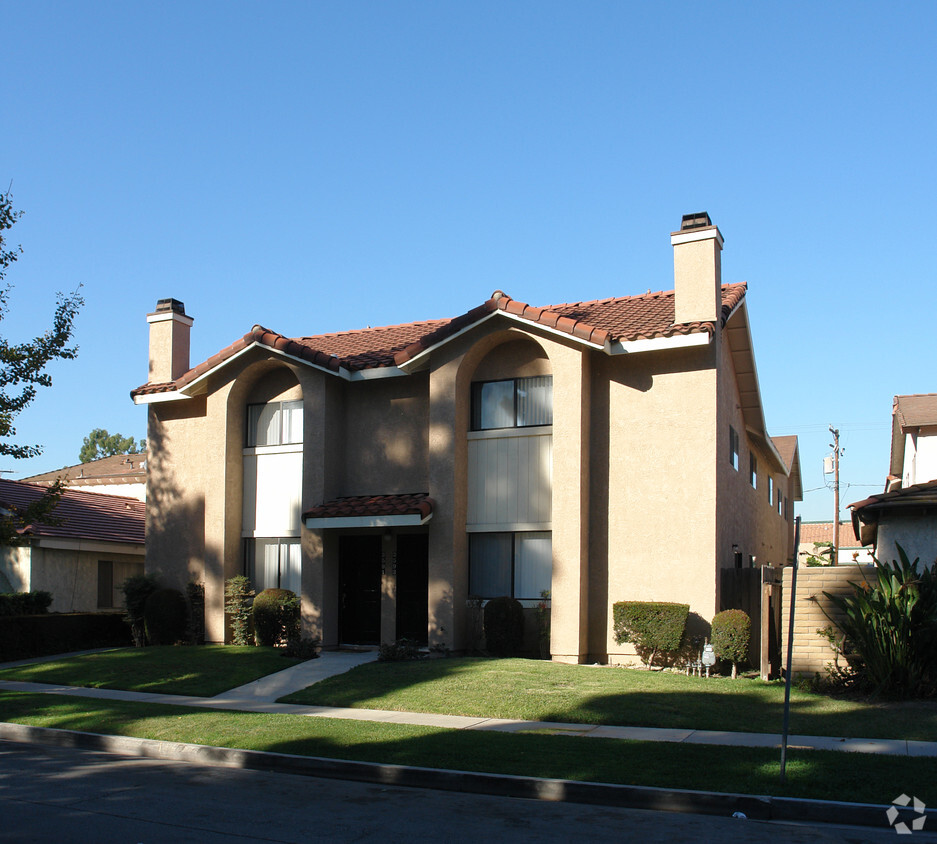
x=542 y=691
x=203 y=671
x=813 y=774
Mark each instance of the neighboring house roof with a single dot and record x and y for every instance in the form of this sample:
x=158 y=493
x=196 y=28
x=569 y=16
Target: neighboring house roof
x=909 y=413
x=600 y=323
x=119 y=469
x=788 y=452
x=371 y=510
x=814 y=532
x=866 y=513
x=81 y=515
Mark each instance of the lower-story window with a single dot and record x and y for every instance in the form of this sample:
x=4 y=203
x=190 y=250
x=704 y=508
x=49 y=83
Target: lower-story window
x=275 y=564
x=515 y=564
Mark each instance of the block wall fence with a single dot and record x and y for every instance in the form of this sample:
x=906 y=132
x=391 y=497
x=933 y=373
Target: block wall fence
x=812 y=653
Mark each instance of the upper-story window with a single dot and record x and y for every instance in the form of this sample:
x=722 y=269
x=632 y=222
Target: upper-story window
x=734 y=448
x=512 y=403
x=275 y=423
x=770 y=490
x=753 y=470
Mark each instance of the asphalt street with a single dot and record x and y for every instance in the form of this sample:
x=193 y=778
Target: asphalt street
x=66 y=795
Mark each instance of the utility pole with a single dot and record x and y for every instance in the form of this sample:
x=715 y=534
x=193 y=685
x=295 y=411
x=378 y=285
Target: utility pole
x=836 y=454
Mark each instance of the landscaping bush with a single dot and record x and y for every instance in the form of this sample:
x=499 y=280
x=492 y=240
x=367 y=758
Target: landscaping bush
x=890 y=624
x=25 y=603
x=195 y=605
x=164 y=616
x=238 y=597
x=27 y=636
x=504 y=626
x=731 y=631
x=136 y=590
x=400 y=651
x=304 y=648
x=276 y=617
x=652 y=626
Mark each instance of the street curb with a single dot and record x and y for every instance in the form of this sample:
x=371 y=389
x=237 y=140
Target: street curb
x=501 y=785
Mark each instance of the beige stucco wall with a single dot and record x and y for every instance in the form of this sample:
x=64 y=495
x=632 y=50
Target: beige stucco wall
x=70 y=575
x=385 y=424
x=14 y=564
x=661 y=482
x=745 y=516
x=915 y=532
x=812 y=652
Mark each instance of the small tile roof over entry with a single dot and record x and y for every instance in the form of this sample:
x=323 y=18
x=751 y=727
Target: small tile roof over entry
x=602 y=321
x=405 y=504
x=81 y=515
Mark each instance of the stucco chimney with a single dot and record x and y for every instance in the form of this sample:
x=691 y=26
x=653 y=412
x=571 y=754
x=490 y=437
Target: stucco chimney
x=697 y=269
x=169 y=341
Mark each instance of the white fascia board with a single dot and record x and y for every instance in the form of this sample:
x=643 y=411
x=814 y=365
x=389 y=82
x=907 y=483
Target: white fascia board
x=412 y=520
x=100 y=547
x=418 y=362
x=156 y=398
x=378 y=372
x=655 y=344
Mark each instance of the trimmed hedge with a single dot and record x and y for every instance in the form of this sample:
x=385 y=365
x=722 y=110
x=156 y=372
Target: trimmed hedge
x=276 y=617
x=26 y=636
x=731 y=631
x=164 y=615
x=25 y=603
x=652 y=626
x=504 y=626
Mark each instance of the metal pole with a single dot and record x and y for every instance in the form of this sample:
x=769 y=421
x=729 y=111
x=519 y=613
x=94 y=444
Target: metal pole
x=790 y=654
x=835 y=444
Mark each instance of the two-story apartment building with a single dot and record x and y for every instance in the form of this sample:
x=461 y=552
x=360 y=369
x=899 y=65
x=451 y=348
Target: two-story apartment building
x=604 y=451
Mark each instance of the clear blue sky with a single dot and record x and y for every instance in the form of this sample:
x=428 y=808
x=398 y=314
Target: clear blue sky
x=323 y=166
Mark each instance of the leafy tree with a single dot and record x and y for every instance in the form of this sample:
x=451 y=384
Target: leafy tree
x=23 y=371
x=99 y=443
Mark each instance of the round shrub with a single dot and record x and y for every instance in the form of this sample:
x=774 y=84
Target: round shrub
x=731 y=630
x=276 y=617
x=504 y=626
x=164 y=616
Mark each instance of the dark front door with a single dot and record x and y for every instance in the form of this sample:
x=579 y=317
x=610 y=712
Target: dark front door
x=412 y=586
x=359 y=589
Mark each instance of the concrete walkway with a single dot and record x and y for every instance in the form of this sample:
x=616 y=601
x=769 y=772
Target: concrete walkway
x=262 y=695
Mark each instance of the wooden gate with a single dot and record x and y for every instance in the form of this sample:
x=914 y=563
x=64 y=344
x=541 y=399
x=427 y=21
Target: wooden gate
x=758 y=593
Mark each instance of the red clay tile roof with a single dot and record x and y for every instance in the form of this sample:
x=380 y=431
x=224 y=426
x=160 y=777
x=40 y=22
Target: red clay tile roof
x=627 y=318
x=813 y=532
x=406 y=504
x=82 y=515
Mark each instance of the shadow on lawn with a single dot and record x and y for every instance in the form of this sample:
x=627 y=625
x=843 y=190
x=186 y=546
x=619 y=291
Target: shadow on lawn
x=457 y=686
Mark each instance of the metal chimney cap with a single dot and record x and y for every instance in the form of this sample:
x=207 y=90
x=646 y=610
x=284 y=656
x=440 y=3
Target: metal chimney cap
x=174 y=305
x=700 y=220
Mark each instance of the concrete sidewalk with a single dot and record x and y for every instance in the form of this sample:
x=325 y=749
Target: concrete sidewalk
x=262 y=695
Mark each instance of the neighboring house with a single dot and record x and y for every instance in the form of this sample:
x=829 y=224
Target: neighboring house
x=605 y=451
x=97 y=543
x=814 y=533
x=122 y=474
x=906 y=513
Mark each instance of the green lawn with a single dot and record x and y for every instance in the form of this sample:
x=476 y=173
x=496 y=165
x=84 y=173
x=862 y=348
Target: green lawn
x=203 y=671
x=543 y=691
x=822 y=775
